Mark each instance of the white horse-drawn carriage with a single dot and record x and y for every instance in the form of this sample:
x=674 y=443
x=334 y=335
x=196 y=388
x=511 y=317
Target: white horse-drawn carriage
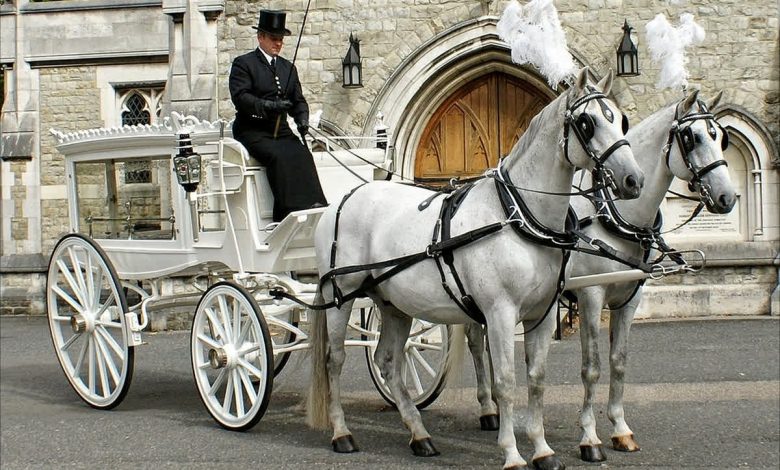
x=172 y=218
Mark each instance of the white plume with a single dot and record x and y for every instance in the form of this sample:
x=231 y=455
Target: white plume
x=667 y=48
x=535 y=36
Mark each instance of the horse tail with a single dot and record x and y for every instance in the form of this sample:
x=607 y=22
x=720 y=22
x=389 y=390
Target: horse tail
x=319 y=387
x=456 y=354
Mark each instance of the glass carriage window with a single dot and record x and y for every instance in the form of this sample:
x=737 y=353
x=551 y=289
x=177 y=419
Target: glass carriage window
x=110 y=208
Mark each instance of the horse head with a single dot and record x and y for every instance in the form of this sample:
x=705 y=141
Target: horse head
x=599 y=126
x=697 y=156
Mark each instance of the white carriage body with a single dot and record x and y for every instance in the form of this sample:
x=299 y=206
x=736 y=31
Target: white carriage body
x=244 y=201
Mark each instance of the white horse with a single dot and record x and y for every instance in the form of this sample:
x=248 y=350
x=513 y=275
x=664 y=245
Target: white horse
x=682 y=140
x=509 y=277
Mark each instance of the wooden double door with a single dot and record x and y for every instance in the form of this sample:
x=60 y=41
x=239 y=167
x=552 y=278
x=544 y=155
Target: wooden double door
x=474 y=127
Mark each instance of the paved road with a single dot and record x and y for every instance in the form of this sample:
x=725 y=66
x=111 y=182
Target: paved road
x=701 y=394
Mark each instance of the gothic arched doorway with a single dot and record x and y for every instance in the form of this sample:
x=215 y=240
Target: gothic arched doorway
x=475 y=126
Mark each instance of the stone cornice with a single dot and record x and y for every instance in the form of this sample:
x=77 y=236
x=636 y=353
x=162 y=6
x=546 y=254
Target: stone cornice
x=75 y=5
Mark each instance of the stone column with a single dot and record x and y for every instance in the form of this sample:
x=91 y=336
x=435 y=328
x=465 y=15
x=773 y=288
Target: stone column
x=192 y=76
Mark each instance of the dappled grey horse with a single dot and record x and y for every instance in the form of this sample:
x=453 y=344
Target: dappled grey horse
x=682 y=140
x=507 y=245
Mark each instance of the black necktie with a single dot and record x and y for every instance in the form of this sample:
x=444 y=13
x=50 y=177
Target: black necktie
x=273 y=63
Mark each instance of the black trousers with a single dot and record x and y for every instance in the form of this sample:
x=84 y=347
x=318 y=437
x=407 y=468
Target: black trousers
x=291 y=172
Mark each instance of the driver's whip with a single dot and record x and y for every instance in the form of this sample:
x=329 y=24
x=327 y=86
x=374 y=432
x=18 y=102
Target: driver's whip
x=295 y=56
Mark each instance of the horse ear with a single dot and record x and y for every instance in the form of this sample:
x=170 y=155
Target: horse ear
x=690 y=100
x=714 y=102
x=582 y=79
x=606 y=83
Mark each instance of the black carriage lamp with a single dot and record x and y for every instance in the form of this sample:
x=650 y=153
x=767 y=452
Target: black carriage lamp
x=353 y=70
x=187 y=164
x=627 y=54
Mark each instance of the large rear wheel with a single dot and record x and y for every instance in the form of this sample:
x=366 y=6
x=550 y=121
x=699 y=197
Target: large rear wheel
x=86 y=310
x=425 y=361
x=232 y=356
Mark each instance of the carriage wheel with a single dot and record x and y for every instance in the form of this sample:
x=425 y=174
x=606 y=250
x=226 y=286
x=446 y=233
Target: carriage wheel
x=86 y=307
x=232 y=356
x=424 y=370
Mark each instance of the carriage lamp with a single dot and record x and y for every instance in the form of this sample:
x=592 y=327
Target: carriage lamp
x=353 y=70
x=627 y=54
x=187 y=164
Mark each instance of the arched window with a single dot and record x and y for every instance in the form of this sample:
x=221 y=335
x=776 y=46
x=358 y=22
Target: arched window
x=139 y=106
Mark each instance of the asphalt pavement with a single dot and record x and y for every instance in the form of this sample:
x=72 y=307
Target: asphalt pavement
x=699 y=394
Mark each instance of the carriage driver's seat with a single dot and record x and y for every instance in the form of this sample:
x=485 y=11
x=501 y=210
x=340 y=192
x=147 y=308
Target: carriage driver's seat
x=237 y=163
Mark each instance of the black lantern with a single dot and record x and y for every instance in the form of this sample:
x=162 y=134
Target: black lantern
x=187 y=164
x=627 y=56
x=353 y=70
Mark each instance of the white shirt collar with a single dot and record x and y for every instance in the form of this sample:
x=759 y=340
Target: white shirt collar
x=267 y=57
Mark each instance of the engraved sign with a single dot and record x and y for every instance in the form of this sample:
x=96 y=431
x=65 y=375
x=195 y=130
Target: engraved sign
x=677 y=210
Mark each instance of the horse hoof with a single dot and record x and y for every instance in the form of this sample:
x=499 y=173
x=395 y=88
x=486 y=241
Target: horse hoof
x=625 y=443
x=549 y=462
x=423 y=448
x=344 y=444
x=489 y=423
x=593 y=453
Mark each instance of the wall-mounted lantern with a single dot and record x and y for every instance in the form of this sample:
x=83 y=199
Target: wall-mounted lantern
x=627 y=54
x=353 y=70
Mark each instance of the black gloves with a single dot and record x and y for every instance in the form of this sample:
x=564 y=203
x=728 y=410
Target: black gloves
x=303 y=129
x=273 y=107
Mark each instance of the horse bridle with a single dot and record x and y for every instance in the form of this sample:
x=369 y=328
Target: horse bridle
x=686 y=143
x=584 y=127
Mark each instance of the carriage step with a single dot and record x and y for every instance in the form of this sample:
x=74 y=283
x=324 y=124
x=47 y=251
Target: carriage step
x=133 y=330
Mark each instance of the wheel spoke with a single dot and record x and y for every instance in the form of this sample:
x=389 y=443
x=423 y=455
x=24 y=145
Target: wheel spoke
x=415 y=376
x=79 y=276
x=248 y=348
x=251 y=368
x=106 y=365
x=238 y=390
x=76 y=306
x=421 y=360
x=236 y=319
x=218 y=382
x=91 y=365
x=209 y=342
x=111 y=341
x=70 y=341
x=102 y=373
x=91 y=293
x=82 y=355
x=427 y=346
x=223 y=313
x=250 y=390
x=228 y=398
x=216 y=324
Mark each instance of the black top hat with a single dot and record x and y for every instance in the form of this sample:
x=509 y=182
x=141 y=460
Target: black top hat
x=272 y=22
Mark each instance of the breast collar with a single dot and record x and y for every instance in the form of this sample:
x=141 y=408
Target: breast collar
x=525 y=224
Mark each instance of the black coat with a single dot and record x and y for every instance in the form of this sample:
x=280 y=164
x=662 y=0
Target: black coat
x=267 y=137
x=252 y=79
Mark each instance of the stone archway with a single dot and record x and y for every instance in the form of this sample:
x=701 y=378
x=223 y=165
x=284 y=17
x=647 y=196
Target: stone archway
x=475 y=126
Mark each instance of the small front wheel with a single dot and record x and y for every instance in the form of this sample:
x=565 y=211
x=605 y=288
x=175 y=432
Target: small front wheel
x=232 y=356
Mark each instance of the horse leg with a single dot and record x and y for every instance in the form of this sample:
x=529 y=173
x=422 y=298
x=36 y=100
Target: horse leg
x=389 y=357
x=337 y=320
x=537 y=344
x=590 y=301
x=501 y=341
x=488 y=419
x=619 y=326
